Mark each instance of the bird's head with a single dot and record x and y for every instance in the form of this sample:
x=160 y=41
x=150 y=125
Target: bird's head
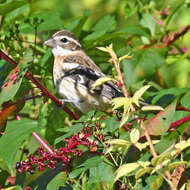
x=63 y=42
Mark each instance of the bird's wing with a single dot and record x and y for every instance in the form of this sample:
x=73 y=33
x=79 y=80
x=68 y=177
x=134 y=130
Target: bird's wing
x=86 y=73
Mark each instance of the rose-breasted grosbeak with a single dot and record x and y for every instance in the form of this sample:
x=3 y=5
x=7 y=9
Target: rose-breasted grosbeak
x=74 y=74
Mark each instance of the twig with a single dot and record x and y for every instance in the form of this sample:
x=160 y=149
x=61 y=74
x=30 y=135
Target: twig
x=182 y=109
x=44 y=90
x=168 y=39
x=117 y=67
x=173 y=36
x=179 y=122
x=32 y=97
x=153 y=152
x=148 y=139
x=38 y=138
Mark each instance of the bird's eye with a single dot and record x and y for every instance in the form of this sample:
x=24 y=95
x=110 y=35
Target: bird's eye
x=64 y=40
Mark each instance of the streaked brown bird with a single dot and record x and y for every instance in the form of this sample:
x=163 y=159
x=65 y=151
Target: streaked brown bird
x=74 y=74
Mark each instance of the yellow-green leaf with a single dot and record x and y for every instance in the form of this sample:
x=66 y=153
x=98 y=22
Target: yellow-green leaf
x=11 y=188
x=124 y=119
x=119 y=142
x=183 y=187
x=157 y=183
x=122 y=101
x=183 y=144
x=144 y=164
x=142 y=171
x=101 y=81
x=161 y=158
x=161 y=165
x=103 y=49
x=134 y=135
x=175 y=164
x=139 y=93
x=154 y=108
x=125 y=169
x=125 y=57
x=142 y=146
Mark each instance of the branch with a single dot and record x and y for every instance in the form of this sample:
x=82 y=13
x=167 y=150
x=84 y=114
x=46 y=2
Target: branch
x=168 y=39
x=40 y=140
x=153 y=152
x=44 y=90
x=179 y=122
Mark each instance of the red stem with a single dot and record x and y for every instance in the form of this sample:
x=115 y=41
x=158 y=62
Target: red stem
x=38 y=138
x=183 y=109
x=179 y=122
x=44 y=90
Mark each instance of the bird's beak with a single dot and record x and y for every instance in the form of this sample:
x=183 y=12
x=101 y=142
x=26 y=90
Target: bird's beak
x=51 y=43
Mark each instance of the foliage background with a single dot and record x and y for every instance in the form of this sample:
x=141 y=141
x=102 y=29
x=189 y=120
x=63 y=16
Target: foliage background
x=133 y=27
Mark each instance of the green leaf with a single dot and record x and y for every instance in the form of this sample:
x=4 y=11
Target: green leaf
x=144 y=63
x=175 y=164
x=54 y=124
x=125 y=169
x=77 y=25
x=58 y=181
x=107 y=23
x=124 y=119
x=122 y=101
x=171 y=91
x=150 y=60
x=75 y=173
x=91 y=162
x=120 y=142
x=142 y=146
x=130 y=8
x=95 y=35
x=148 y=22
x=11 y=5
x=161 y=158
x=185 y=100
x=130 y=72
x=142 y=172
x=21 y=11
x=16 y=132
x=182 y=145
x=157 y=183
x=72 y=130
x=51 y=21
x=134 y=30
x=96 y=175
x=152 y=108
x=111 y=124
x=14 y=79
x=134 y=135
x=164 y=144
x=139 y=93
x=160 y=123
x=87 y=117
x=174 y=12
x=101 y=81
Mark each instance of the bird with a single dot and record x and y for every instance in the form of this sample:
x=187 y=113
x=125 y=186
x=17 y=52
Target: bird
x=74 y=74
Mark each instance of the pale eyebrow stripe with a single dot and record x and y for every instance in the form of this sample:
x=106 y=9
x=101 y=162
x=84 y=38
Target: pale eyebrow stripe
x=70 y=39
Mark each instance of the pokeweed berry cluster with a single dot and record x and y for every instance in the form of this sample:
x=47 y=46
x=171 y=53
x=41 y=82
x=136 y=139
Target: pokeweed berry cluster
x=43 y=158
